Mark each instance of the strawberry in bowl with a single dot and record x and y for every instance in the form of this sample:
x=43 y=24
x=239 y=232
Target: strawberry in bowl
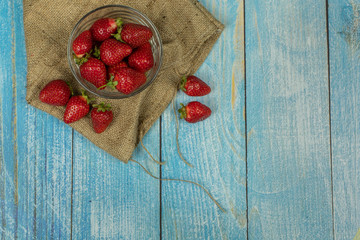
x=100 y=47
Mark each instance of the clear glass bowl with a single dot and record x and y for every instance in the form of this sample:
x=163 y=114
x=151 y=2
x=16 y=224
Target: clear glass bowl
x=128 y=15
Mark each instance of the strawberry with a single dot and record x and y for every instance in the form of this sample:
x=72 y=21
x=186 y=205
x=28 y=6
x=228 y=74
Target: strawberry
x=142 y=58
x=82 y=44
x=127 y=80
x=94 y=71
x=134 y=34
x=194 y=86
x=101 y=117
x=103 y=28
x=56 y=92
x=77 y=108
x=194 y=112
x=113 y=69
x=112 y=51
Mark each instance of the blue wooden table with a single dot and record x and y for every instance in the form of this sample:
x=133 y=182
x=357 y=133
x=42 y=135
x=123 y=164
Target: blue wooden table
x=281 y=151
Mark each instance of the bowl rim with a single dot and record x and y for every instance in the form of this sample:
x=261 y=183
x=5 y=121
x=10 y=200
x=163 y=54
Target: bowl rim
x=122 y=96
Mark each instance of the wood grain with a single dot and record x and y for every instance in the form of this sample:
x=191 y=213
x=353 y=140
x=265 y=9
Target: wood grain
x=35 y=147
x=289 y=174
x=113 y=200
x=344 y=36
x=357 y=236
x=216 y=147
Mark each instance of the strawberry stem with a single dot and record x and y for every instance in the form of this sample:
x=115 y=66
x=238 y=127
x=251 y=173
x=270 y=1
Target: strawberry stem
x=111 y=78
x=102 y=87
x=96 y=52
x=71 y=89
x=183 y=83
x=86 y=97
x=117 y=36
x=110 y=83
x=182 y=111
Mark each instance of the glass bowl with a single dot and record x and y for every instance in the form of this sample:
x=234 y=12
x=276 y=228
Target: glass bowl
x=127 y=15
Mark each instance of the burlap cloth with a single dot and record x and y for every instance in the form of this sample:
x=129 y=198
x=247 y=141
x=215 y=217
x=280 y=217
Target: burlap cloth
x=188 y=32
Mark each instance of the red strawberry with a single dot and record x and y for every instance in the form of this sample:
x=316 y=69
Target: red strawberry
x=94 y=71
x=77 y=108
x=142 y=58
x=103 y=28
x=82 y=44
x=194 y=86
x=194 y=112
x=127 y=80
x=134 y=34
x=101 y=117
x=112 y=51
x=56 y=92
x=113 y=69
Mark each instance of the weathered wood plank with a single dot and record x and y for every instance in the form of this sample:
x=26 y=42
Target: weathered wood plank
x=35 y=148
x=216 y=147
x=113 y=200
x=344 y=36
x=9 y=209
x=289 y=174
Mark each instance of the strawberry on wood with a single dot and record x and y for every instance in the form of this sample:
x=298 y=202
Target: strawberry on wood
x=194 y=112
x=194 y=86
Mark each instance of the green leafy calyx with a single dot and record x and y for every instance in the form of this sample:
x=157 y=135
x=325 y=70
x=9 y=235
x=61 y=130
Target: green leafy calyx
x=119 y=22
x=86 y=97
x=111 y=83
x=96 y=52
x=102 y=107
x=183 y=83
x=182 y=111
x=80 y=61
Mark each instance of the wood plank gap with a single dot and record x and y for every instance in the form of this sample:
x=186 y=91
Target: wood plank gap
x=2 y=197
x=246 y=133
x=35 y=189
x=72 y=181
x=14 y=120
x=2 y=170
x=160 y=186
x=329 y=95
x=2 y=173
